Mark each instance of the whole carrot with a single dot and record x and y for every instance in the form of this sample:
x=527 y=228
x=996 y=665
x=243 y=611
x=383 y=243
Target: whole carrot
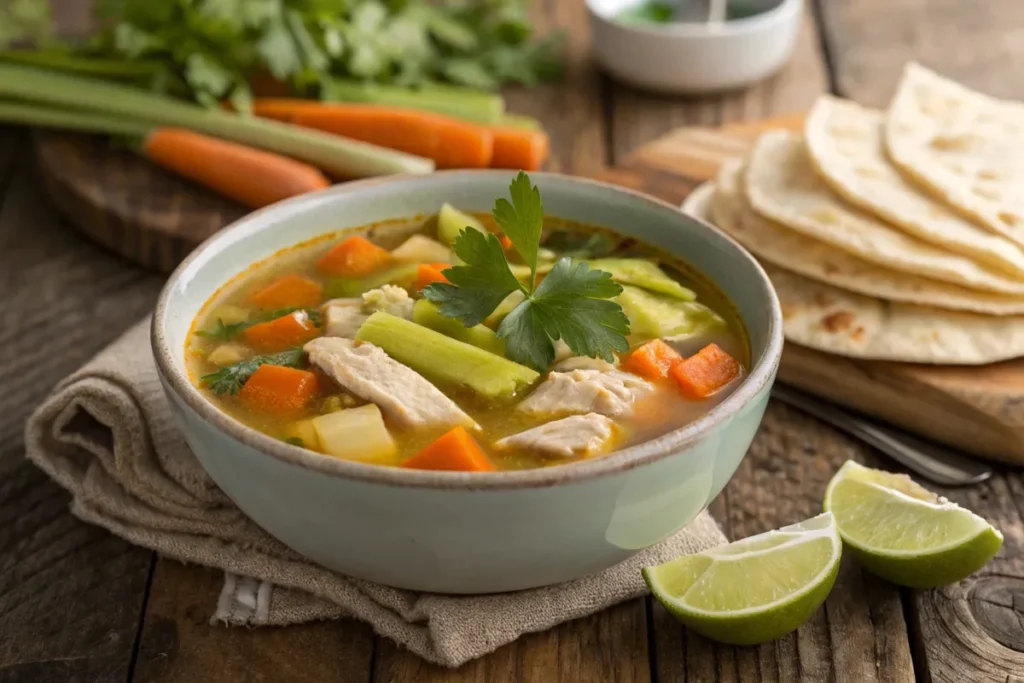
x=451 y=143
x=519 y=148
x=515 y=147
x=249 y=176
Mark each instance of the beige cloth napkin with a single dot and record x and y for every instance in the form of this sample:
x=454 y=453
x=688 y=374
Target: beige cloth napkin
x=106 y=435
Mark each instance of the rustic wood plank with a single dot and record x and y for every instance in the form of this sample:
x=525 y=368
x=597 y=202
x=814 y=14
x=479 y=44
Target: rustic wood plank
x=70 y=594
x=179 y=644
x=974 y=630
x=638 y=117
x=977 y=43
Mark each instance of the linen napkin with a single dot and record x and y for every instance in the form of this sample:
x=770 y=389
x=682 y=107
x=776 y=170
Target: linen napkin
x=107 y=436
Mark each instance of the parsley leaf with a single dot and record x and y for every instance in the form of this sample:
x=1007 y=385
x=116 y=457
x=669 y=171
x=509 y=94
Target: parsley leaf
x=476 y=288
x=522 y=220
x=572 y=303
x=231 y=379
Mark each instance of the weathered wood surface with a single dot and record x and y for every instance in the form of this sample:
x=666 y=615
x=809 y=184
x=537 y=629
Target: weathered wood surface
x=71 y=595
x=74 y=604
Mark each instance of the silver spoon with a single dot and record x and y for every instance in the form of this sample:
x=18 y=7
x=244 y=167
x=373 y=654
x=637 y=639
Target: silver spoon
x=937 y=464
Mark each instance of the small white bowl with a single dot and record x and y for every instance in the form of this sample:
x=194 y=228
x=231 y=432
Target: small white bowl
x=690 y=58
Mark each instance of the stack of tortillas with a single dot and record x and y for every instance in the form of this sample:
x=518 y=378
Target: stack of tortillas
x=892 y=235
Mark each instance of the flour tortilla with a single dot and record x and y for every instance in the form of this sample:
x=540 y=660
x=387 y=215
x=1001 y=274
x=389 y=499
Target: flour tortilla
x=783 y=186
x=836 y=321
x=846 y=144
x=964 y=147
x=773 y=244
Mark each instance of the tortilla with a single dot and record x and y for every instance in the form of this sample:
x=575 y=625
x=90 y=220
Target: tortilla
x=835 y=321
x=773 y=244
x=846 y=144
x=964 y=147
x=783 y=186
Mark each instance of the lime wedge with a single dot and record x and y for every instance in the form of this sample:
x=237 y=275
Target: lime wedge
x=903 y=532
x=754 y=590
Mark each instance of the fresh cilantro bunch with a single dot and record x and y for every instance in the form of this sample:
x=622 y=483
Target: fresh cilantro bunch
x=571 y=303
x=210 y=49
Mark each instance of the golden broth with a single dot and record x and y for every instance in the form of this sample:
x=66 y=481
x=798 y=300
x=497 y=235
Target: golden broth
x=655 y=414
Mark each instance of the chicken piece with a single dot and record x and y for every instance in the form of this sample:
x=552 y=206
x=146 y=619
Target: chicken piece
x=571 y=436
x=344 y=317
x=586 y=391
x=407 y=399
x=343 y=321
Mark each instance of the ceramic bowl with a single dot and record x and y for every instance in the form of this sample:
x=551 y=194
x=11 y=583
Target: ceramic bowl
x=691 y=58
x=459 y=532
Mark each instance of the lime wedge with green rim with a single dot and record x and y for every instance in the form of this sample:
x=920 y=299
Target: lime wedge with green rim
x=903 y=532
x=754 y=590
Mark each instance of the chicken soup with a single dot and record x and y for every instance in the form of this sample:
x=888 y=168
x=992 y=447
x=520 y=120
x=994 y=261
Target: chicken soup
x=468 y=342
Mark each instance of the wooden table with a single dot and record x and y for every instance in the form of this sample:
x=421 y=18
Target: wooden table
x=77 y=604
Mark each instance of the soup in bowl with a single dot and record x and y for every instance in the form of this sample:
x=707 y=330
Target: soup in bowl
x=408 y=389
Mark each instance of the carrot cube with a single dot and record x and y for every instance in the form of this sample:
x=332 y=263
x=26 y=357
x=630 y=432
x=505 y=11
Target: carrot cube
x=429 y=273
x=281 y=333
x=290 y=290
x=652 y=361
x=278 y=390
x=354 y=256
x=455 y=450
x=705 y=372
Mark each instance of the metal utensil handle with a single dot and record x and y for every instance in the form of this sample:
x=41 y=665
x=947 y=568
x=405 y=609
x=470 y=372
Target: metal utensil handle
x=932 y=461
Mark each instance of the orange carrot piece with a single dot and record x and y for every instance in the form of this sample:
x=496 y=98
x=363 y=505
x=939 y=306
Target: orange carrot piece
x=652 y=361
x=290 y=290
x=519 y=148
x=250 y=176
x=284 y=108
x=277 y=390
x=429 y=273
x=454 y=450
x=451 y=143
x=354 y=256
x=705 y=372
x=281 y=333
x=506 y=243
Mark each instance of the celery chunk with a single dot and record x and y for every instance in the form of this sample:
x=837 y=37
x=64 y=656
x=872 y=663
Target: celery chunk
x=653 y=316
x=642 y=273
x=451 y=221
x=438 y=357
x=429 y=315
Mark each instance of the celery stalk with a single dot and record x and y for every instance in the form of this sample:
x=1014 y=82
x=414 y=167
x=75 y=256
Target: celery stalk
x=333 y=153
x=46 y=117
x=91 y=66
x=463 y=103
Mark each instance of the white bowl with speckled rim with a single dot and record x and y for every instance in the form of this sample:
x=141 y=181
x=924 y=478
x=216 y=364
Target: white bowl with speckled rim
x=693 y=58
x=459 y=532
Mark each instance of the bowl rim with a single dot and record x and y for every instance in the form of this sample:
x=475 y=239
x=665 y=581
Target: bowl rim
x=177 y=381
x=726 y=29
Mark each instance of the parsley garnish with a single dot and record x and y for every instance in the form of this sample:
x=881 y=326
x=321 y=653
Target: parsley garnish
x=231 y=379
x=570 y=304
x=227 y=331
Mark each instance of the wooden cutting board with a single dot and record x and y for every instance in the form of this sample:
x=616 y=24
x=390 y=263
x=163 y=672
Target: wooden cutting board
x=154 y=219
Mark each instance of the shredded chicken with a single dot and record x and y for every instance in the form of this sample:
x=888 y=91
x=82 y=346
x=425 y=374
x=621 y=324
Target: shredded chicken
x=571 y=436
x=404 y=396
x=344 y=317
x=587 y=391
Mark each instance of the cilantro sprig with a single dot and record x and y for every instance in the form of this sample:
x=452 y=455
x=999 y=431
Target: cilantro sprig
x=572 y=302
